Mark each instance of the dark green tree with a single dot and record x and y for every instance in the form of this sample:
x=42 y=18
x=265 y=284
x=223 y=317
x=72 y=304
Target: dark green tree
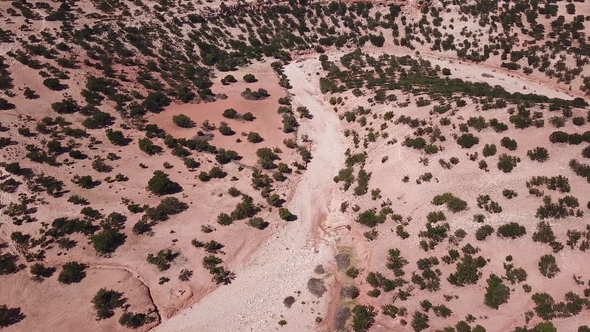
x=496 y=292
x=160 y=184
x=105 y=301
x=72 y=272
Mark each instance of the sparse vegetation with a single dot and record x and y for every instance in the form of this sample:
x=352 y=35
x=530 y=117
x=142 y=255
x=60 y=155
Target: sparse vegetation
x=103 y=80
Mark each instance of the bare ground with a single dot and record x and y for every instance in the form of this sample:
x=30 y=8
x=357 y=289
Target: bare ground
x=284 y=263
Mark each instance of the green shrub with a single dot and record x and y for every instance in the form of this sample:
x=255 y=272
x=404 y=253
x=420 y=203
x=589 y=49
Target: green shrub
x=483 y=232
x=134 y=320
x=248 y=94
x=105 y=301
x=257 y=223
x=579 y=121
x=107 y=241
x=254 y=137
x=539 y=154
x=377 y=40
x=419 y=321
x=224 y=219
x=67 y=106
x=467 y=140
x=13 y=168
x=454 y=204
x=160 y=184
x=231 y=113
x=191 y=164
x=228 y=79
x=183 y=121
x=507 y=163
x=162 y=259
x=53 y=84
x=364 y=317
x=370 y=218
x=489 y=150
x=559 y=137
x=436 y=216
x=508 y=143
x=249 y=78
x=156 y=101
x=226 y=130
x=8 y=264
x=478 y=123
x=548 y=266
x=431 y=149
x=146 y=145
x=417 y=143
x=509 y=193
x=116 y=137
x=512 y=230
x=467 y=271
x=285 y=214
x=248 y=116
x=496 y=292
x=244 y=209
x=72 y=272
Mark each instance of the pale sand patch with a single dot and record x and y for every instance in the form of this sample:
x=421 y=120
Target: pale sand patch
x=286 y=261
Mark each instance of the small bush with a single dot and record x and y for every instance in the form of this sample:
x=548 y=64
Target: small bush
x=248 y=116
x=419 y=321
x=162 y=259
x=364 y=317
x=507 y=163
x=467 y=140
x=548 y=266
x=257 y=223
x=53 y=84
x=511 y=230
x=454 y=204
x=509 y=143
x=160 y=184
x=509 y=193
x=285 y=214
x=489 y=150
x=228 y=79
x=224 y=219
x=579 y=121
x=134 y=320
x=105 y=301
x=183 y=121
x=539 y=154
x=254 y=137
x=370 y=218
x=249 y=78
x=230 y=113
x=72 y=272
x=496 y=292
x=483 y=232
x=226 y=130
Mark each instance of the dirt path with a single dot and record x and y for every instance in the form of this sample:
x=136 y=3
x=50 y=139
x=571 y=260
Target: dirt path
x=283 y=264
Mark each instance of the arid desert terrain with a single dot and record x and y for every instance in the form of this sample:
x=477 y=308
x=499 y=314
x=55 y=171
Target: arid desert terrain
x=295 y=166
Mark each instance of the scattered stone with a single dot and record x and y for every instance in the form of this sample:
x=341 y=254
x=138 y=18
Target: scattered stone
x=288 y=301
x=342 y=315
x=319 y=269
x=316 y=287
x=343 y=261
x=350 y=292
